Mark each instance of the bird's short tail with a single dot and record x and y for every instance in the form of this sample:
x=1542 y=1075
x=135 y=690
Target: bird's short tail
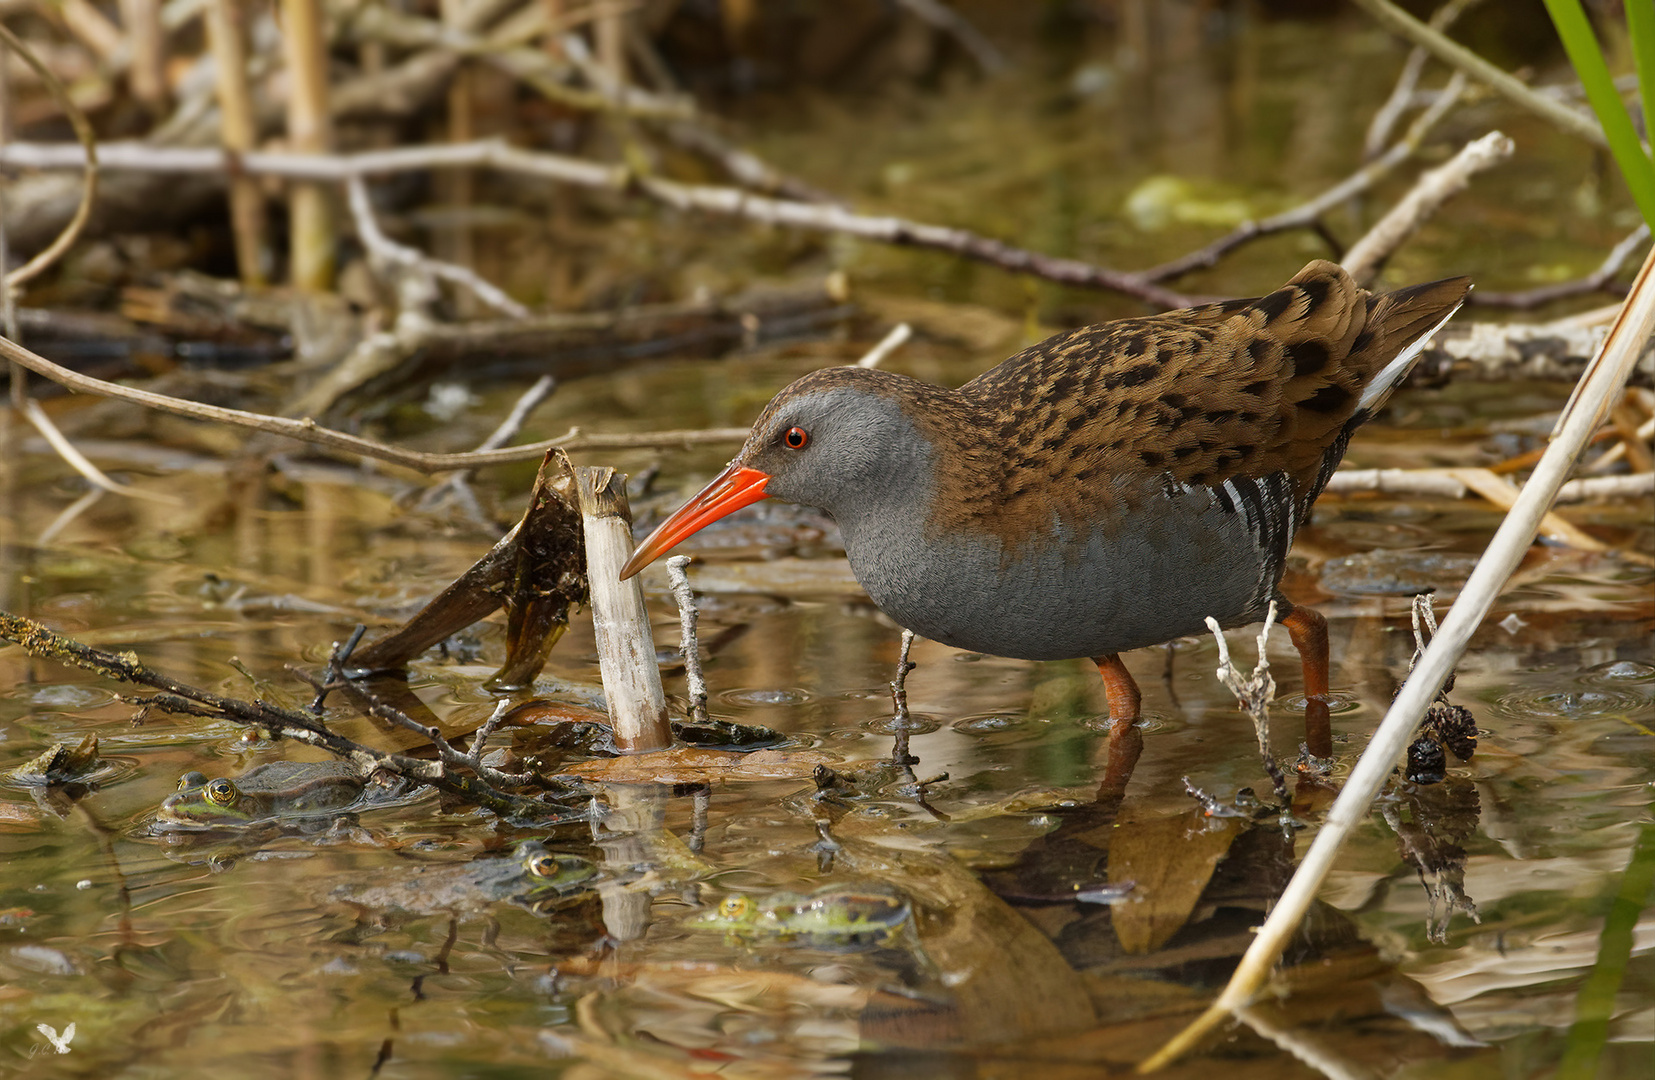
x=1406 y=320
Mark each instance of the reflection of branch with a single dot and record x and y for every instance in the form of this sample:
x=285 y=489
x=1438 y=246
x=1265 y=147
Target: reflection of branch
x=1458 y=56
x=1433 y=189
x=498 y=155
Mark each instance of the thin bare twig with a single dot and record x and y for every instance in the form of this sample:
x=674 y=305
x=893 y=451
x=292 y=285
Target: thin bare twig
x=383 y=247
x=688 y=647
x=951 y=22
x=1254 y=693
x=287 y=723
x=66 y=450
x=309 y=431
x=500 y=436
x=1433 y=189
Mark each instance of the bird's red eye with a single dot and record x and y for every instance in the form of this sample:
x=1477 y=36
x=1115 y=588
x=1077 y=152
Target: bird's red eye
x=796 y=438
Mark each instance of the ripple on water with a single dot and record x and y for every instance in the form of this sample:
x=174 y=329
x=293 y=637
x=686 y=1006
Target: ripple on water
x=1396 y=572
x=63 y=696
x=1149 y=723
x=918 y=724
x=1620 y=673
x=1584 y=704
x=988 y=724
x=762 y=696
x=1337 y=702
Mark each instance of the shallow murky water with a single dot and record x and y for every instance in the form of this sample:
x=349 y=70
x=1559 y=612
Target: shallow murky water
x=1452 y=940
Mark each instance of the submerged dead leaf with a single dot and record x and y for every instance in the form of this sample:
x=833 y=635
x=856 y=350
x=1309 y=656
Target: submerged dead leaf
x=1005 y=979
x=1171 y=859
x=694 y=764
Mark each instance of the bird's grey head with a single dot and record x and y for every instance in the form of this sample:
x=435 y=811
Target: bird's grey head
x=839 y=440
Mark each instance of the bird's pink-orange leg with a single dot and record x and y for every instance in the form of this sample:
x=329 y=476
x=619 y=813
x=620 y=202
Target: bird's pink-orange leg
x=1126 y=742
x=1308 y=630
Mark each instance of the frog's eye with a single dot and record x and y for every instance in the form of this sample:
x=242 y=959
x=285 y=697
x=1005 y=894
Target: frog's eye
x=544 y=866
x=190 y=780
x=735 y=906
x=222 y=792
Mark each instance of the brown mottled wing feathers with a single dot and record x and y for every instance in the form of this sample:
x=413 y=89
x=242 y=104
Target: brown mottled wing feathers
x=1244 y=388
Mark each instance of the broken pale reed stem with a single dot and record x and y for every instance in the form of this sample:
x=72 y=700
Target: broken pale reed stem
x=688 y=646
x=620 y=621
x=384 y=248
x=1600 y=385
x=888 y=344
x=1254 y=692
x=1427 y=196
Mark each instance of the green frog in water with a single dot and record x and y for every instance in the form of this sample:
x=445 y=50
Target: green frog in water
x=281 y=791
x=865 y=913
x=532 y=876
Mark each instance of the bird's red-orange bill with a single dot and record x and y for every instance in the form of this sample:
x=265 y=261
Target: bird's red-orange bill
x=729 y=491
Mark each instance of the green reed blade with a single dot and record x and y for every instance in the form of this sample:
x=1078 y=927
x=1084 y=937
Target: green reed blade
x=1587 y=57
x=1640 y=23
